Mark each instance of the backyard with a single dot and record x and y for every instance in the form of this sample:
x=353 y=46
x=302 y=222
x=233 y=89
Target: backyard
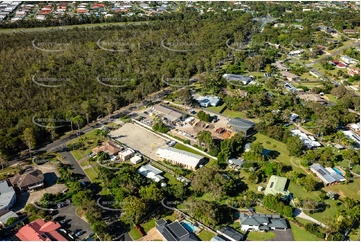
x=300 y=234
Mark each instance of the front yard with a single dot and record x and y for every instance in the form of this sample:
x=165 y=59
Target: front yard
x=300 y=234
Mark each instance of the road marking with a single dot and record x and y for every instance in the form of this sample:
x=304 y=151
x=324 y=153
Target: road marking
x=152 y=145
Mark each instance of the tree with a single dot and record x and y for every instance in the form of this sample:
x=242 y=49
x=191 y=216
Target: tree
x=78 y=120
x=268 y=69
x=339 y=91
x=179 y=191
x=151 y=194
x=204 y=116
x=294 y=146
x=159 y=126
x=134 y=209
x=81 y=198
x=11 y=221
x=29 y=138
x=3 y=160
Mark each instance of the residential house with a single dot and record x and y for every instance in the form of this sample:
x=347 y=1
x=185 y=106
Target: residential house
x=28 y=180
x=295 y=52
x=182 y=158
x=353 y=71
x=7 y=197
x=136 y=159
x=316 y=73
x=126 y=154
x=351 y=135
x=327 y=175
x=239 y=124
x=39 y=230
x=280 y=66
x=242 y=93
x=294 y=117
x=206 y=101
x=262 y=222
x=231 y=234
x=349 y=31
x=4 y=218
x=109 y=147
x=239 y=78
x=309 y=141
x=174 y=231
x=169 y=113
x=312 y=97
x=278 y=185
x=290 y=76
x=151 y=172
x=236 y=162
x=355 y=127
x=348 y=60
x=338 y=64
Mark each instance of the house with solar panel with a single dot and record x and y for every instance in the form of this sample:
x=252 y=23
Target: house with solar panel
x=174 y=231
x=262 y=222
x=327 y=175
x=278 y=185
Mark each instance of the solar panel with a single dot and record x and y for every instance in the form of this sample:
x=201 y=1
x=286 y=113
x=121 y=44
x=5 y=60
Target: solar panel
x=271 y=185
x=178 y=229
x=321 y=172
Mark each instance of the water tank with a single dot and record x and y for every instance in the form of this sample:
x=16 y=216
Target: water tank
x=260 y=188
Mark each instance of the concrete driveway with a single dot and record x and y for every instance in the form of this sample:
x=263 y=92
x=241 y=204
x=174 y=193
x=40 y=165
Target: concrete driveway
x=283 y=235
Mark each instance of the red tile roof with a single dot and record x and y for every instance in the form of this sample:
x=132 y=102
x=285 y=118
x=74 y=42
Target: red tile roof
x=39 y=230
x=81 y=11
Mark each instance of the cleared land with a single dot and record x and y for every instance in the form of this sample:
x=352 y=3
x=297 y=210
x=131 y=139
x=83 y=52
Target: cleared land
x=139 y=139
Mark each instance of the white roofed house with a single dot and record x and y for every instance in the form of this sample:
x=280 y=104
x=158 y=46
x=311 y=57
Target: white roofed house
x=309 y=141
x=182 y=158
x=151 y=172
x=126 y=154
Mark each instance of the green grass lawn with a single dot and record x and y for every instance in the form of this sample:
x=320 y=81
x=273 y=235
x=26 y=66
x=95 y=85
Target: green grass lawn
x=238 y=114
x=171 y=180
x=329 y=213
x=300 y=234
x=172 y=217
x=186 y=148
x=331 y=97
x=308 y=76
x=134 y=234
x=300 y=193
x=148 y=225
x=260 y=236
x=84 y=163
x=91 y=174
x=282 y=149
x=216 y=109
x=262 y=210
x=235 y=225
x=77 y=154
x=33 y=218
x=205 y=235
x=350 y=190
x=310 y=84
x=303 y=221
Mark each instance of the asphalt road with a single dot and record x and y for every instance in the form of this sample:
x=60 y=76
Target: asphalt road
x=76 y=167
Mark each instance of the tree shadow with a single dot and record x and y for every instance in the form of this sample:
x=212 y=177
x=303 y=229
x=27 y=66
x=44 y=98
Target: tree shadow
x=274 y=154
x=50 y=179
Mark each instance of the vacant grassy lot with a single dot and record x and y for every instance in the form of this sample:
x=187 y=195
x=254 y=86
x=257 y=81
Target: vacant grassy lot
x=205 y=235
x=350 y=190
x=331 y=97
x=236 y=114
x=134 y=234
x=260 y=236
x=299 y=234
x=91 y=174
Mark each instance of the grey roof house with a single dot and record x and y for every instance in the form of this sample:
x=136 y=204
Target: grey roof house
x=174 y=231
x=7 y=197
x=28 y=180
x=239 y=124
x=327 y=175
x=231 y=234
x=262 y=222
x=169 y=113
x=239 y=78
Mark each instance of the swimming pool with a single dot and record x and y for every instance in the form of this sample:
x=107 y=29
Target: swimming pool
x=188 y=226
x=337 y=170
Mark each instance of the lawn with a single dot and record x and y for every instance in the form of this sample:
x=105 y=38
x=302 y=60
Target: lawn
x=237 y=114
x=350 y=190
x=186 y=148
x=303 y=221
x=91 y=174
x=77 y=154
x=262 y=210
x=134 y=234
x=308 y=76
x=300 y=193
x=172 y=217
x=260 y=236
x=300 y=234
x=84 y=163
x=310 y=84
x=328 y=214
x=282 y=149
x=331 y=97
x=216 y=109
x=148 y=225
x=171 y=180
x=205 y=235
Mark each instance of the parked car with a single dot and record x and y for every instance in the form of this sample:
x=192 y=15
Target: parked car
x=65 y=190
x=75 y=231
x=79 y=233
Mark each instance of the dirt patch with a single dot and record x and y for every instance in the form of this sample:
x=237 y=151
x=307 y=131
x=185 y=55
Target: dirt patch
x=152 y=235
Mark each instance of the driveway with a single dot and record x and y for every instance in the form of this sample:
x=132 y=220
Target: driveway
x=75 y=221
x=283 y=235
x=76 y=167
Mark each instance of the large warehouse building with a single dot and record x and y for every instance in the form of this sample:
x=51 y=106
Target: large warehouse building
x=239 y=124
x=182 y=158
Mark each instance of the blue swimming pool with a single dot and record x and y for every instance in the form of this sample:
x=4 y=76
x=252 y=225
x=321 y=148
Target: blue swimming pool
x=337 y=170
x=188 y=226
